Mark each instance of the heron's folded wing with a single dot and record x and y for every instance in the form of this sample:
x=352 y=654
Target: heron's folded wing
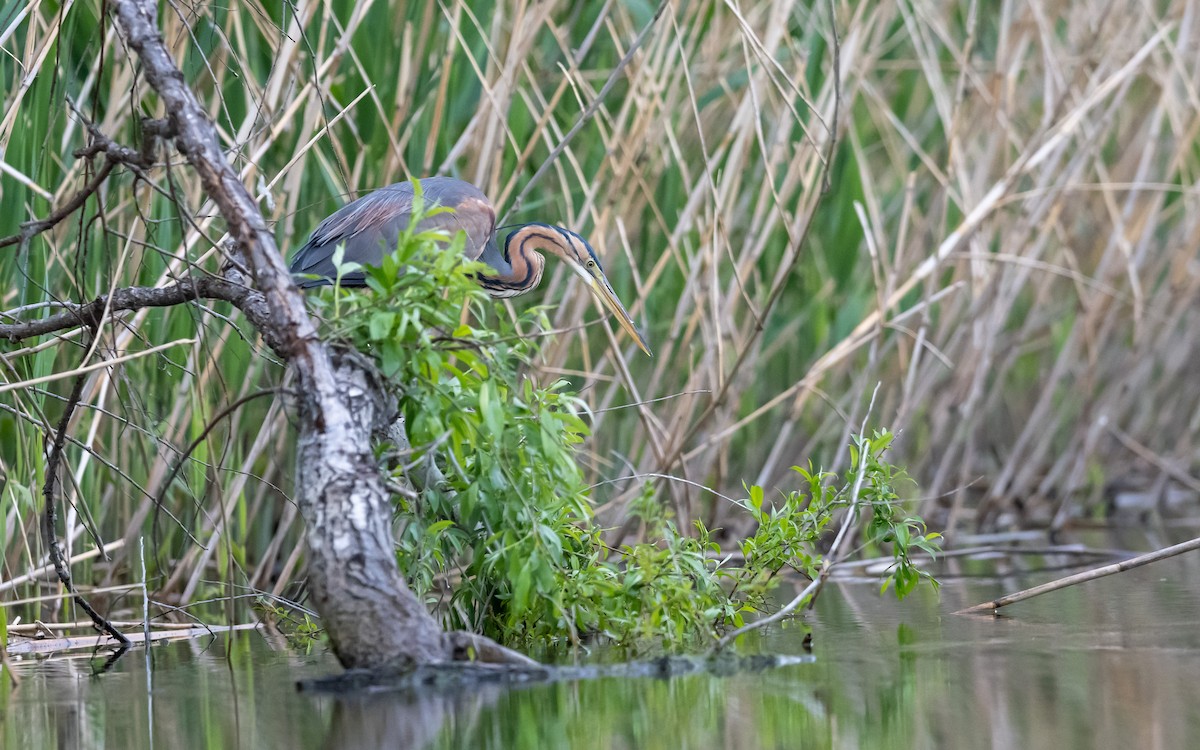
x=369 y=226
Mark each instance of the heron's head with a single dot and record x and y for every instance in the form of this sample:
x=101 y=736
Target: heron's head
x=578 y=254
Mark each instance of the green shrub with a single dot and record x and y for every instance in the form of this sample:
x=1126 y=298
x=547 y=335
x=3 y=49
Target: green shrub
x=506 y=544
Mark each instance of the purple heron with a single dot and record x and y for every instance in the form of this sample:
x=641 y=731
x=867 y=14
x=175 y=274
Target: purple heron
x=370 y=226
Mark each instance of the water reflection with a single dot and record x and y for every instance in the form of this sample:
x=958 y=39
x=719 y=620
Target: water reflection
x=401 y=721
x=1109 y=664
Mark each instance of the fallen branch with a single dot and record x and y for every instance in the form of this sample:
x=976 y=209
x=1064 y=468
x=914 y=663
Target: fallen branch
x=93 y=642
x=1087 y=575
x=471 y=647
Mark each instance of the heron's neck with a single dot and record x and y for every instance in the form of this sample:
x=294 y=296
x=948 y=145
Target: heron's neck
x=525 y=263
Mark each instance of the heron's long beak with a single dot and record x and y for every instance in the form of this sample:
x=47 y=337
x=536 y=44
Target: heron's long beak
x=604 y=292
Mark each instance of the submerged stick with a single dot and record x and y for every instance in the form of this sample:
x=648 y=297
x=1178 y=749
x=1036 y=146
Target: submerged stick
x=1087 y=575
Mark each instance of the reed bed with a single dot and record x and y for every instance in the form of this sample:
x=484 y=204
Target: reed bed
x=982 y=208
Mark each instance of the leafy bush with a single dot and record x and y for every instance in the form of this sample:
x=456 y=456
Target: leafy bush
x=503 y=542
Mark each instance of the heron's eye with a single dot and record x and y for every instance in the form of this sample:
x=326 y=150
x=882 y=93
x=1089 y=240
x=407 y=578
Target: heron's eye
x=591 y=264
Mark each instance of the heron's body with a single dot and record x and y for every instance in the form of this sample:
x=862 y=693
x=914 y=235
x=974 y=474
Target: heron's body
x=369 y=227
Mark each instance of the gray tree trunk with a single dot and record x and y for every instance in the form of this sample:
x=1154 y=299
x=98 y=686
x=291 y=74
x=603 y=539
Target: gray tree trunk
x=370 y=615
x=366 y=607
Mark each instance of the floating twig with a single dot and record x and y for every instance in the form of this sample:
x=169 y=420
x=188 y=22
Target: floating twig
x=1087 y=575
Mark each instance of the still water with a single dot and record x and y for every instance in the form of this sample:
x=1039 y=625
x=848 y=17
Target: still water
x=1110 y=664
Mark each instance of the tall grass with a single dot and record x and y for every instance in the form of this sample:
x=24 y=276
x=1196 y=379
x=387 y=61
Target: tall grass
x=1006 y=243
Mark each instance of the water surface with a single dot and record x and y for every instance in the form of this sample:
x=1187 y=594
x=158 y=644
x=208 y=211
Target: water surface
x=1111 y=664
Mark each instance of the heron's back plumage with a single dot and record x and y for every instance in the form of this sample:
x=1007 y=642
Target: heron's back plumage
x=370 y=226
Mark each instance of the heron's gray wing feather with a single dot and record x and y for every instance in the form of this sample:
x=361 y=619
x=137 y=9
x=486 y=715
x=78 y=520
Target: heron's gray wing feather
x=369 y=227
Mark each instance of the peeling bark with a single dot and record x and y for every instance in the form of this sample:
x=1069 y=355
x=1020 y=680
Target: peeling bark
x=364 y=602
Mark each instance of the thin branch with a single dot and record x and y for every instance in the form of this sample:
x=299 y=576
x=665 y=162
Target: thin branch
x=1087 y=575
x=186 y=454
x=29 y=229
x=809 y=594
x=37 y=573
x=50 y=514
x=85 y=369
x=470 y=647
x=114 y=153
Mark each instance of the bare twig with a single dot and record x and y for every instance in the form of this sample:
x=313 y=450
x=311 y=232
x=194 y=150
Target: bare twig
x=32 y=228
x=1087 y=575
x=85 y=369
x=49 y=514
x=114 y=153
x=186 y=453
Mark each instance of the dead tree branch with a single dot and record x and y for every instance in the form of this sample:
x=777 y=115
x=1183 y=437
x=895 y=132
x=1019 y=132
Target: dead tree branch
x=371 y=616
x=137 y=297
x=1088 y=575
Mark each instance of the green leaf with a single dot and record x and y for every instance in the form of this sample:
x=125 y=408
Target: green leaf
x=381 y=324
x=522 y=586
x=489 y=406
